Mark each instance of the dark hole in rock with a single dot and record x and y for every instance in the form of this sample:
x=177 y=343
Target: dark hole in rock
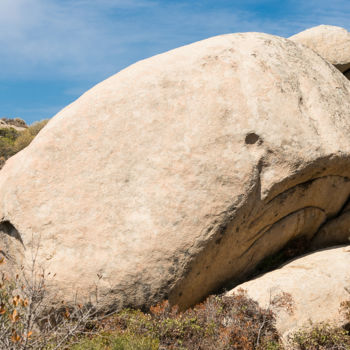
x=251 y=138
x=7 y=228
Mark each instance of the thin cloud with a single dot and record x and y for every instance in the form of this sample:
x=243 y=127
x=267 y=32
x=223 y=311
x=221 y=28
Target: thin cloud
x=70 y=45
x=87 y=38
x=68 y=37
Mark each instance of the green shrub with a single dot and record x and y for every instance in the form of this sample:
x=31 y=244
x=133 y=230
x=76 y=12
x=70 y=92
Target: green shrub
x=221 y=322
x=6 y=148
x=321 y=337
x=117 y=342
x=8 y=137
x=13 y=141
x=10 y=134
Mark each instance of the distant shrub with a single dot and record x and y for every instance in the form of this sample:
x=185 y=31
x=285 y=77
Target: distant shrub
x=9 y=133
x=22 y=142
x=27 y=135
x=2 y=161
x=13 y=141
x=8 y=138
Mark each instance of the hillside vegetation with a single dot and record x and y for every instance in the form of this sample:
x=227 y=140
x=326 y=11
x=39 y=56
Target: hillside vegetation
x=16 y=135
x=219 y=323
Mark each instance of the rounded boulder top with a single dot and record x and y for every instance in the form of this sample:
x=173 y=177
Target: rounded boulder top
x=330 y=42
x=182 y=171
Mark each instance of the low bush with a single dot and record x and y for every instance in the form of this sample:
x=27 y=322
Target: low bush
x=324 y=336
x=321 y=337
x=26 y=136
x=27 y=319
x=221 y=322
x=124 y=341
x=8 y=137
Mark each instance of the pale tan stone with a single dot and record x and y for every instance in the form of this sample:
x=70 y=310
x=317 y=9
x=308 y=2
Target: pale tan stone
x=183 y=171
x=16 y=123
x=317 y=283
x=331 y=42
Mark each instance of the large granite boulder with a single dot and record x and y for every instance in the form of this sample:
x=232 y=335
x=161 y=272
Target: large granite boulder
x=182 y=171
x=308 y=290
x=331 y=42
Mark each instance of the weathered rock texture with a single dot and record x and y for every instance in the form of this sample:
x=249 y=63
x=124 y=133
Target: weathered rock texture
x=332 y=43
x=317 y=284
x=183 y=171
x=335 y=231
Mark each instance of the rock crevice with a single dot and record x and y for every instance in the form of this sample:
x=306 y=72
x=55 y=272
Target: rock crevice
x=263 y=228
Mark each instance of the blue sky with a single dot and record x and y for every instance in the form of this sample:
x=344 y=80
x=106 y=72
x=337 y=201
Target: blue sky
x=54 y=50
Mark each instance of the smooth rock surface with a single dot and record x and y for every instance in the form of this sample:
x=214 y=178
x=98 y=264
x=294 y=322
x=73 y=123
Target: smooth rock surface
x=331 y=42
x=182 y=172
x=317 y=284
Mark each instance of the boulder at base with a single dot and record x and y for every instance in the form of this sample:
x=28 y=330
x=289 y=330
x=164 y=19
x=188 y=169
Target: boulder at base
x=331 y=42
x=308 y=289
x=182 y=172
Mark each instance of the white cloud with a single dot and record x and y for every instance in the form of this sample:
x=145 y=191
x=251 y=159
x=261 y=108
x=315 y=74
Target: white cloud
x=71 y=37
x=63 y=47
x=91 y=39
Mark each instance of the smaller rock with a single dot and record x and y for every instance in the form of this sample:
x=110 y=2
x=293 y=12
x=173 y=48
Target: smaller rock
x=330 y=42
x=16 y=123
x=334 y=232
x=308 y=289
